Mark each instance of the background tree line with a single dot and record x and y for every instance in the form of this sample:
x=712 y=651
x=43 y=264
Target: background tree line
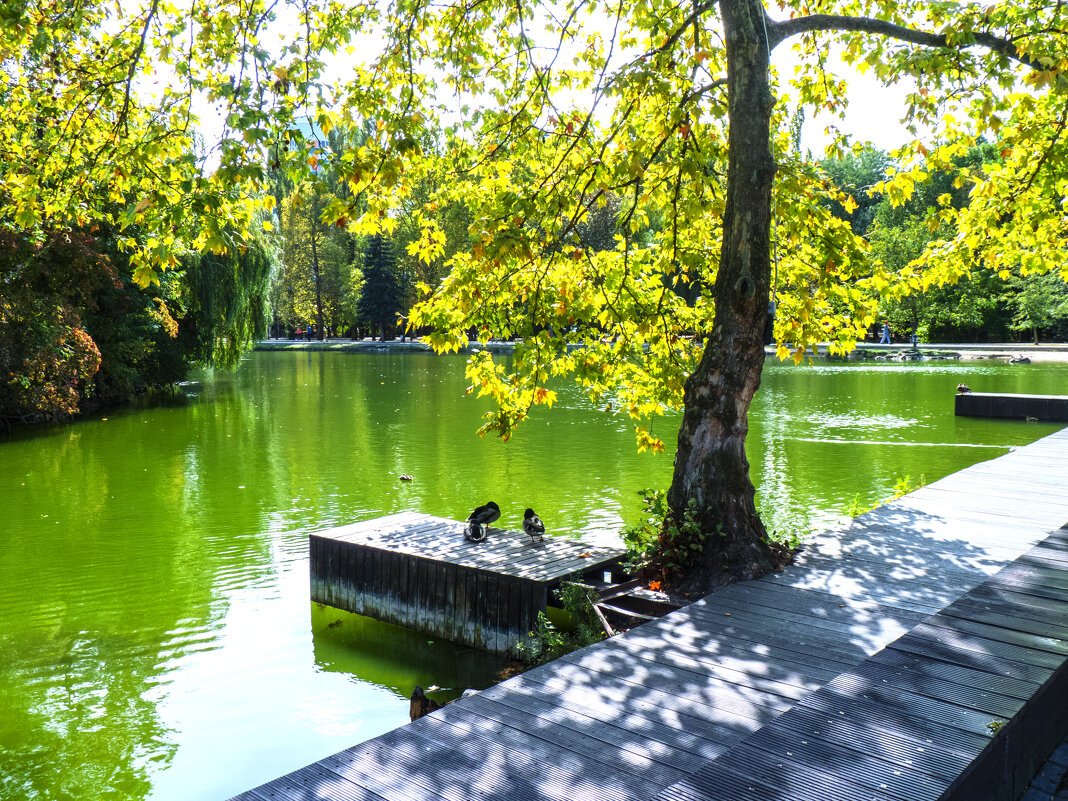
x=980 y=307
x=77 y=333
x=355 y=286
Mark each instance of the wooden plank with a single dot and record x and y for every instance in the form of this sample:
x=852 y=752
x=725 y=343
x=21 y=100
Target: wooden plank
x=487 y=599
x=632 y=766
x=578 y=774
x=968 y=696
x=422 y=593
x=782 y=644
x=1046 y=603
x=836 y=625
x=359 y=572
x=1022 y=647
x=858 y=685
x=1052 y=555
x=812 y=603
x=781 y=776
x=1000 y=615
x=928 y=666
x=905 y=748
x=504 y=613
x=515 y=628
x=333 y=571
x=399 y=588
x=694 y=688
x=969 y=652
x=468 y=580
x=786 y=683
x=402 y=766
x=316 y=781
x=342 y=587
x=899 y=719
x=439 y=596
x=489 y=770
x=669 y=715
x=865 y=770
x=682 y=734
x=493 y=611
x=708 y=646
x=315 y=570
x=386 y=582
x=1035 y=579
x=804 y=635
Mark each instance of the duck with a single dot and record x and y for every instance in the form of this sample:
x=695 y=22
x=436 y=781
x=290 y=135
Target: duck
x=477 y=521
x=532 y=525
x=1019 y=358
x=420 y=704
x=962 y=388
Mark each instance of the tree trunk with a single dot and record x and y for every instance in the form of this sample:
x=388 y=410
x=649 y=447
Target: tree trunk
x=318 y=287
x=710 y=465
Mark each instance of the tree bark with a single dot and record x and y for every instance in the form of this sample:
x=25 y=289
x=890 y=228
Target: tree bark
x=710 y=464
x=318 y=283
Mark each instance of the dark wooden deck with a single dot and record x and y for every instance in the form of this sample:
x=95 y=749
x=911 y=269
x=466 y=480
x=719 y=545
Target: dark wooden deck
x=418 y=571
x=1046 y=408
x=891 y=644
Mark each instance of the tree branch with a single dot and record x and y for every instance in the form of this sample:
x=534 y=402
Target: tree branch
x=123 y=119
x=780 y=31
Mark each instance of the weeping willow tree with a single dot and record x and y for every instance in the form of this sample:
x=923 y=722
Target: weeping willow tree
x=225 y=300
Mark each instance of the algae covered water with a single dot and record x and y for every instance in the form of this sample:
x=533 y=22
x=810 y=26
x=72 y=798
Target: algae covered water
x=156 y=637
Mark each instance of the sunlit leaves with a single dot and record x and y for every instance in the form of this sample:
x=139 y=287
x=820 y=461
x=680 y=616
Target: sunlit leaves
x=532 y=117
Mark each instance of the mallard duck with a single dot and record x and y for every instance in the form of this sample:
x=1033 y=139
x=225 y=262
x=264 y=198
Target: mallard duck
x=481 y=517
x=962 y=388
x=532 y=525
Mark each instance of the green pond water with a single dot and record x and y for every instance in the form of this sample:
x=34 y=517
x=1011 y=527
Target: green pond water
x=156 y=634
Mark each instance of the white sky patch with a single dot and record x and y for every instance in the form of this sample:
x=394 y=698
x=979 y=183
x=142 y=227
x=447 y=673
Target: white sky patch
x=874 y=113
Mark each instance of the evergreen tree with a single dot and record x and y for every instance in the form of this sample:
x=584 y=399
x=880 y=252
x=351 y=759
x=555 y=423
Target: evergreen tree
x=380 y=301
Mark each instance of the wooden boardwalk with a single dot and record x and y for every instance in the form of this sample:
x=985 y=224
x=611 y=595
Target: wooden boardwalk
x=418 y=571
x=676 y=707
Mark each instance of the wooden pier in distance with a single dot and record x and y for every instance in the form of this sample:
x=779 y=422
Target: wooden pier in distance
x=418 y=571
x=1043 y=408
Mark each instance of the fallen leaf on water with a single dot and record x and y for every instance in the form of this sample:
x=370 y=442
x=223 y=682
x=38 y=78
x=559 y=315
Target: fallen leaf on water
x=584 y=555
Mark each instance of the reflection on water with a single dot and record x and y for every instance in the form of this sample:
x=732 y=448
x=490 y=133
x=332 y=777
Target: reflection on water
x=156 y=637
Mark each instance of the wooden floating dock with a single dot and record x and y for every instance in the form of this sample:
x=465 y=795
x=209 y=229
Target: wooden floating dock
x=918 y=653
x=418 y=571
x=1044 y=408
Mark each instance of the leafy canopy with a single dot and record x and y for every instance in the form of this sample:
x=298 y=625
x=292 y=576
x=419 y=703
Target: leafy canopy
x=552 y=111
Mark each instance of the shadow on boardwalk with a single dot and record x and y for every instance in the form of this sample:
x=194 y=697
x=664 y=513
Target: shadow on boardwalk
x=674 y=703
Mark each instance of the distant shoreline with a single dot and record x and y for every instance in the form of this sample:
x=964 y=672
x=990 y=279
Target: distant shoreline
x=1054 y=352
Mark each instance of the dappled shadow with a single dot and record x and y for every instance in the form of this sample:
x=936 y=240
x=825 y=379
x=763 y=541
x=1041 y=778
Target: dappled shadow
x=671 y=709
x=911 y=721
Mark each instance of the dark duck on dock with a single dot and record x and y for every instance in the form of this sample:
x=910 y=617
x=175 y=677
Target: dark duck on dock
x=532 y=525
x=479 y=519
x=420 y=704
